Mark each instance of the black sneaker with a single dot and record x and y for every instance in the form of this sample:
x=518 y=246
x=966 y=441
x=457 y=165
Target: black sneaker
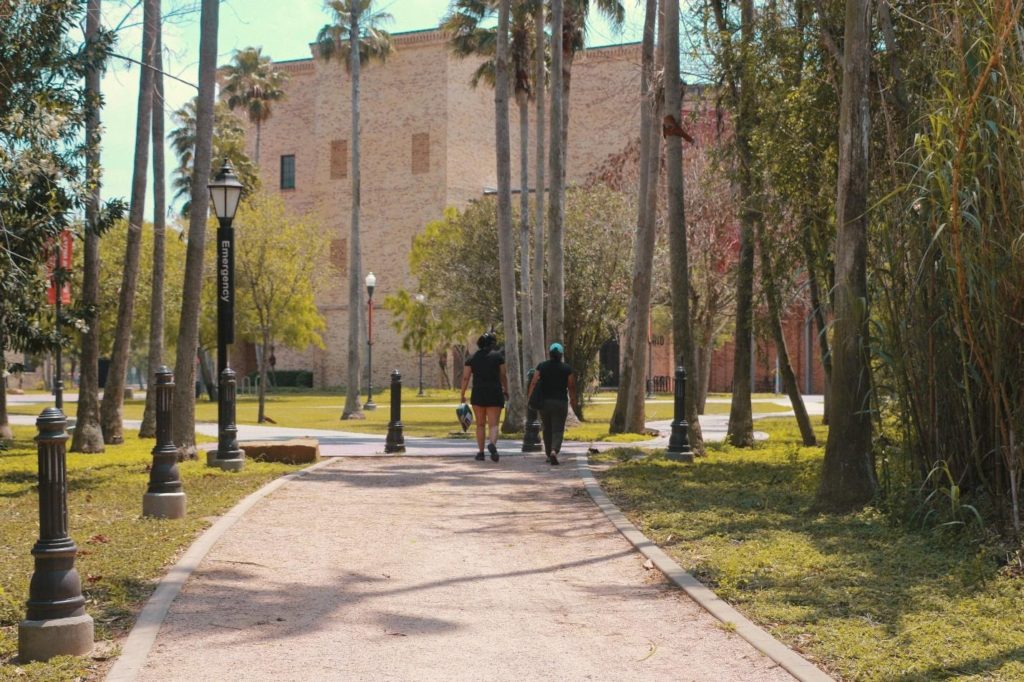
x=493 y=449
x=552 y=460
x=479 y=456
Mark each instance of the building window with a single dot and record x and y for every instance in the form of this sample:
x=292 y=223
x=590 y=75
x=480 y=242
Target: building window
x=288 y=172
x=420 y=153
x=339 y=255
x=339 y=159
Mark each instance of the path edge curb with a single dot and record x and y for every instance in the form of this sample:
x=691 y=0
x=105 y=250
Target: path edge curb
x=795 y=664
x=143 y=634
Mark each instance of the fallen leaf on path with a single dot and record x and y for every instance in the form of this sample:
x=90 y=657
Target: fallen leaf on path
x=650 y=652
x=398 y=634
x=649 y=565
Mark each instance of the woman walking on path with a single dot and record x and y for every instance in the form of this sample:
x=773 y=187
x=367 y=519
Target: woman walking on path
x=490 y=390
x=557 y=384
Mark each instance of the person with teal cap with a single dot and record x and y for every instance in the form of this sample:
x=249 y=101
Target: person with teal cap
x=556 y=382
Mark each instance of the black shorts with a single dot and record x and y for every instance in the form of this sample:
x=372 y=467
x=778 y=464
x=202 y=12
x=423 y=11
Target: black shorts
x=487 y=396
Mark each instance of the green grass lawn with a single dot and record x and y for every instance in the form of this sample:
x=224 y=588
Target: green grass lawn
x=121 y=553
x=432 y=415
x=870 y=597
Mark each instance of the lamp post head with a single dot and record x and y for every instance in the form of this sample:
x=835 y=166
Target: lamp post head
x=225 y=192
x=371 y=283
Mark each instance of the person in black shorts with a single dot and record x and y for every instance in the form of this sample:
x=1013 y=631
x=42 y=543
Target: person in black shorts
x=490 y=390
x=556 y=382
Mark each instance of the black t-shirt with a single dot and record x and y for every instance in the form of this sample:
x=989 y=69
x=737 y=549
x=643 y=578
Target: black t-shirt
x=554 y=380
x=485 y=365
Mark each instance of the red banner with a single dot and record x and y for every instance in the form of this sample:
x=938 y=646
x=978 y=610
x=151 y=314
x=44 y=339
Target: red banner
x=66 y=242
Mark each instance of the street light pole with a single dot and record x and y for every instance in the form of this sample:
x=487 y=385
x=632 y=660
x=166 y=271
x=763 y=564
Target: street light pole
x=371 y=284
x=421 y=299
x=225 y=192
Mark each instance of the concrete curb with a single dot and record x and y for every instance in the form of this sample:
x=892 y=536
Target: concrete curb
x=143 y=634
x=792 y=662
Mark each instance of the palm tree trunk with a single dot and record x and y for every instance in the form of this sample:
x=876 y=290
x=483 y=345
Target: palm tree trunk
x=530 y=352
x=848 y=476
x=539 y=78
x=87 y=436
x=259 y=131
x=556 y=209
x=789 y=383
x=741 y=418
x=155 y=357
x=355 y=273
x=5 y=426
x=506 y=249
x=629 y=401
x=184 y=429
x=679 y=258
x=111 y=417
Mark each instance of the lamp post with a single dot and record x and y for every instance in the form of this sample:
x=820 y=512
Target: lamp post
x=225 y=192
x=421 y=300
x=371 y=284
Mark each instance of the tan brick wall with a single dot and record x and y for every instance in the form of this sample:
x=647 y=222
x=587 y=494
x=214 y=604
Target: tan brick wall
x=418 y=107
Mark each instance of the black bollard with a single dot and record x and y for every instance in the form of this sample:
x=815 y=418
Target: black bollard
x=227 y=456
x=531 y=434
x=679 y=442
x=56 y=623
x=164 y=498
x=395 y=442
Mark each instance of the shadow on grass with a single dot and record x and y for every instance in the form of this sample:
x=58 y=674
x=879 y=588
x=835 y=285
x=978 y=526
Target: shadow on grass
x=740 y=521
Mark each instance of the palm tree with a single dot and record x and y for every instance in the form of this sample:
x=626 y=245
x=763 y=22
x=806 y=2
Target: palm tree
x=537 y=286
x=680 y=275
x=155 y=356
x=111 y=417
x=87 y=436
x=468 y=37
x=571 y=16
x=629 y=414
x=228 y=143
x=184 y=425
x=355 y=37
x=252 y=83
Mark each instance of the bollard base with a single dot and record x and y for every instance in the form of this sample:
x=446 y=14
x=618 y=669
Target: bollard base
x=41 y=640
x=164 y=505
x=235 y=464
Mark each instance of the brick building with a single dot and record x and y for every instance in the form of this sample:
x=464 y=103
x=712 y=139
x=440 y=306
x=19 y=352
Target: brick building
x=427 y=143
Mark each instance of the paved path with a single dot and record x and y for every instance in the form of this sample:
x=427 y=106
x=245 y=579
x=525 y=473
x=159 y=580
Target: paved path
x=437 y=569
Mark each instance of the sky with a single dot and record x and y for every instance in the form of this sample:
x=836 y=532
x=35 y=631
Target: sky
x=284 y=28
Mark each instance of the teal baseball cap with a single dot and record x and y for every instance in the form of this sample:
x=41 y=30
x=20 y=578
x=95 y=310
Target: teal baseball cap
x=556 y=347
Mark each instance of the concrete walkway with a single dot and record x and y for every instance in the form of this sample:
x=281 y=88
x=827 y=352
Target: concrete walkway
x=428 y=569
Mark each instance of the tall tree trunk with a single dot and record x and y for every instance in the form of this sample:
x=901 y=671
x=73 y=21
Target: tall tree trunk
x=705 y=357
x=537 y=289
x=818 y=310
x=789 y=383
x=530 y=351
x=184 y=429
x=355 y=271
x=87 y=436
x=848 y=476
x=506 y=250
x=111 y=409
x=741 y=418
x=680 y=272
x=155 y=357
x=629 y=413
x=259 y=131
x=264 y=358
x=555 y=322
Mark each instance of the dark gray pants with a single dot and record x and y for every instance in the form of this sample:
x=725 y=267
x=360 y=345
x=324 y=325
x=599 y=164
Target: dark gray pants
x=552 y=416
